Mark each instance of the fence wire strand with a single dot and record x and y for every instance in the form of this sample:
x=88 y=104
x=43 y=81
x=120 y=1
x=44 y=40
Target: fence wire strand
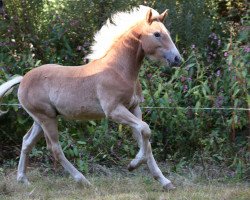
x=166 y=107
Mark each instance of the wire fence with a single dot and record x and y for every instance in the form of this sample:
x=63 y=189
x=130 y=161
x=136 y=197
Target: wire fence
x=200 y=108
x=166 y=107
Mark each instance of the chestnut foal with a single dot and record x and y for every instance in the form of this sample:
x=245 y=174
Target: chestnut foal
x=108 y=86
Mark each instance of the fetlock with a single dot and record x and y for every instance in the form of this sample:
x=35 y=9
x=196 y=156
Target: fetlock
x=21 y=178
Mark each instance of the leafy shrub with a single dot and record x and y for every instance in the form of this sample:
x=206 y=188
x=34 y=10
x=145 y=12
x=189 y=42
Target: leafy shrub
x=214 y=75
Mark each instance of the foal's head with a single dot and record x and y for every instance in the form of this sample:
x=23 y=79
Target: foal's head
x=156 y=41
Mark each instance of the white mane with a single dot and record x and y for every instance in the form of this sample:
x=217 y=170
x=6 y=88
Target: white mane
x=110 y=32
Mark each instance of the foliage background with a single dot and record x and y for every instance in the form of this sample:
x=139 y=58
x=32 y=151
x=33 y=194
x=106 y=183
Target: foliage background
x=213 y=37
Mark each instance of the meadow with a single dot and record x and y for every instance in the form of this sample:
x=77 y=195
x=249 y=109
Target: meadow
x=117 y=183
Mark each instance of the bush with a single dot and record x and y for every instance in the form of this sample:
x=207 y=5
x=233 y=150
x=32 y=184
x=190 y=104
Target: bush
x=214 y=75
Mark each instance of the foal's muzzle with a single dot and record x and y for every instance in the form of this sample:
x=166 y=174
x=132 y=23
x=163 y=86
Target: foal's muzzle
x=173 y=59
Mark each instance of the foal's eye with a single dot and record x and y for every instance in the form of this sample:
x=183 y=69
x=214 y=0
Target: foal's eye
x=157 y=34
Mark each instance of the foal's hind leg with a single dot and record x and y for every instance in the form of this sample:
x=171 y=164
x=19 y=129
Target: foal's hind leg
x=141 y=156
x=49 y=126
x=29 y=140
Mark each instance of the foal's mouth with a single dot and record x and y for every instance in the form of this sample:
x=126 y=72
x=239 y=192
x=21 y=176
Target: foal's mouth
x=172 y=60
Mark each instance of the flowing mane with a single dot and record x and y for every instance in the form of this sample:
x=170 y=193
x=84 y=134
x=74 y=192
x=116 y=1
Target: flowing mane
x=112 y=30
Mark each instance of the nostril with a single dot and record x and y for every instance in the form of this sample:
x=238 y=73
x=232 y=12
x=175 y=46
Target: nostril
x=177 y=59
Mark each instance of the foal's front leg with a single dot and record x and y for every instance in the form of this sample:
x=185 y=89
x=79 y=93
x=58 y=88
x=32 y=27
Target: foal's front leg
x=122 y=115
x=141 y=156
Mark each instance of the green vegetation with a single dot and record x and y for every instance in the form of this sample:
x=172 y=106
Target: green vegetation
x=212 y=36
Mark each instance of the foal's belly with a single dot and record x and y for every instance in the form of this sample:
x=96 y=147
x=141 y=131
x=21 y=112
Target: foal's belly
x=84 y=115
x=87 y=110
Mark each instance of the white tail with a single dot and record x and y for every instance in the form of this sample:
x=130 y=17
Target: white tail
x=7 y=86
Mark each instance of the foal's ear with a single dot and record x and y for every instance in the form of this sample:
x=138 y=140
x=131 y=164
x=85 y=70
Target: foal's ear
x=163 y=15
x=149 y=18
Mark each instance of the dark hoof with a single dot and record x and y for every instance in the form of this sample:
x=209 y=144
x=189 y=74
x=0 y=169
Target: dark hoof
x=169 y=186
x=130 y=168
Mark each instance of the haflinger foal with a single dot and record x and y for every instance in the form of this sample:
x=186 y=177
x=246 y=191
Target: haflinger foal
x=108 y=86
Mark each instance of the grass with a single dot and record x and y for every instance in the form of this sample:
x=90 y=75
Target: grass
x=117 y=183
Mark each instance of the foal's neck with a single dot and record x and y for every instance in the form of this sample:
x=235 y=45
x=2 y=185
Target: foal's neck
x=127 y=55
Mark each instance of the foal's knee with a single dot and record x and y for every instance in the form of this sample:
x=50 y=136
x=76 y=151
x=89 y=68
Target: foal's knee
x=145 y=130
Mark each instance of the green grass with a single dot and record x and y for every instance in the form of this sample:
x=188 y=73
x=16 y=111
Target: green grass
x=116 y=184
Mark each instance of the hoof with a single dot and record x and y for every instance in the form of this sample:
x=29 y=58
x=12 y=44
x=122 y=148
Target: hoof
x=130 y=167
x=134 y=164
x=169 y=187
x=23 y=180
x=82 y=181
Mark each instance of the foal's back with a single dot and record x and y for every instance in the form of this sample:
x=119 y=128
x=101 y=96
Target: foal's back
x=55 y=89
